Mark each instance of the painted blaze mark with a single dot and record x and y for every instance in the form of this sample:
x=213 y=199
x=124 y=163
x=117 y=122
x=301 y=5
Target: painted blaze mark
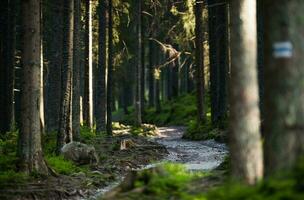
x=282 y=49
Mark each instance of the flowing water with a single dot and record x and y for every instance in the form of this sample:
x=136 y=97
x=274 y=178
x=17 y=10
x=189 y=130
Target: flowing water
x=195 y=155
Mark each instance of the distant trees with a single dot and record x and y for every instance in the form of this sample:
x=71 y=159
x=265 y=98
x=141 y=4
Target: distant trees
x=245 y=139
x=7 y=64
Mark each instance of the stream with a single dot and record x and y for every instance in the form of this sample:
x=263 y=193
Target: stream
x=195 y=155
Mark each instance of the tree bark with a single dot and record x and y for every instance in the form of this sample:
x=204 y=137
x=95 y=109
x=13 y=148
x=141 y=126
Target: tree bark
x=102 y=66
x=88 y=76
x=199 y=62
x=284 y=84
x=30 y=152
x=245 y=143
x=218 y=54
x=76 y=72
x=110 y=69
x=65 y=124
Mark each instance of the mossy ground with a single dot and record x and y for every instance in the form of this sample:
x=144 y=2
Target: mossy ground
x=73 y=180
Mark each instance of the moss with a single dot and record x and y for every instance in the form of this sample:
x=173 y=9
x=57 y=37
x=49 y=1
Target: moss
x=62 y=166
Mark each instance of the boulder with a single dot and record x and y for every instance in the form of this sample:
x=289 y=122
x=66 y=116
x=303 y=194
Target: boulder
x=79 y=153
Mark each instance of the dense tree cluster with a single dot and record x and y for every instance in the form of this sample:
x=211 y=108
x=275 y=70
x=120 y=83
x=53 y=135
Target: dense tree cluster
x=71 y=63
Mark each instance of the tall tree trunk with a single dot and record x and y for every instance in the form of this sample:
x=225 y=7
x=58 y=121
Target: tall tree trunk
x=246 y=147
x=157 y=82
x=88 y=76
x=138 y=111
x=143 y=70
x=260 y=29
x=7 y=65
x=102 y=65
x=76 y=72
x=218 y=46
x=65 y=126
x=53 y=73
x=284 y=84
x=151 y=72
x=110 y=69
x=199 y=61
x=30 y=152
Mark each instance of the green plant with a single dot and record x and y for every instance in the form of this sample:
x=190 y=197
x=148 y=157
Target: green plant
x=62 y=166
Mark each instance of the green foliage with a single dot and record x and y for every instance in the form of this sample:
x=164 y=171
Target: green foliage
x=12 y=177
x=176 y=112
x=62 y=166
x=87 y=134
x=167 y=182
x=8 y=142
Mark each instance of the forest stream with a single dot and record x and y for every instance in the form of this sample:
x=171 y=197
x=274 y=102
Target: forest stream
x=195 y=155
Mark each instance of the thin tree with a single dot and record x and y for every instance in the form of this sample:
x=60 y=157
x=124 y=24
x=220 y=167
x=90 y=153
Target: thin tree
x=102 y=65
x=64 y=134
x=199 y=61
x=110 y=69
x=284 y=84
x=138 y=111
x=76 y=72
x=88 y=74
x=246 y=146
x=30 y=151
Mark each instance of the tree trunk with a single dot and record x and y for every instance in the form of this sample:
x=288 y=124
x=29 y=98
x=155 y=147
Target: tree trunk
x=218 y=46
x=143 y=71
x=30 y=152
x=102 y=65
x=65 y=125
x=151 y=72
x=284 y=84
x=110 y=69
x=260 y=29
x=88 y=76
x=76 y=72
x=199 y=61
x=138 y=110
x=7 y=65
x=53 y=72
x=246 y=147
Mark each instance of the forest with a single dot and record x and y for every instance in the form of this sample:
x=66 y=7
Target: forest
x=151 y=100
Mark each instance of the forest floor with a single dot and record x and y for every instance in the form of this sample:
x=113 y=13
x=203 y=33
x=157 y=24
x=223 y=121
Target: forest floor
x=118 y=155
x=195 y=156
